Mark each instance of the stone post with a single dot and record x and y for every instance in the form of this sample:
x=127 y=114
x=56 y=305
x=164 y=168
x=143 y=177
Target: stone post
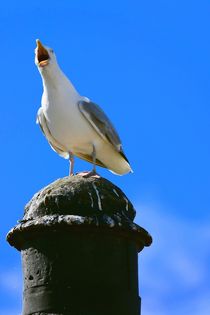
x=79 y=249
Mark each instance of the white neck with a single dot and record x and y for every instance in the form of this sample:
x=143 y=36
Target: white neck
x=54 y=79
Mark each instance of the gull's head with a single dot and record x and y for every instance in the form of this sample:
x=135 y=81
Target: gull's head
x=44 y=56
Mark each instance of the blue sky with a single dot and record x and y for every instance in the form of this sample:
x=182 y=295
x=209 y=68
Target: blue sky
x=147 y=63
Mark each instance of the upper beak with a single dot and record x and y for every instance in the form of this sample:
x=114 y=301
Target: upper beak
x=42 y=54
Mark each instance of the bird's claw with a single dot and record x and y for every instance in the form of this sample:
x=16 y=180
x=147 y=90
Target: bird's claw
x=87 y=174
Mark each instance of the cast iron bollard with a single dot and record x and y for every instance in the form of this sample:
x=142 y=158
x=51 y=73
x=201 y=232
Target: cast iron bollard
x=79 y=250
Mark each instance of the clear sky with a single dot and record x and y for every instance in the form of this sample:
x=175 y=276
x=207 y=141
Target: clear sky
x=147 y=64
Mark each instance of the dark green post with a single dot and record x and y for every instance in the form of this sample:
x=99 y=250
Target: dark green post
x=79 y=250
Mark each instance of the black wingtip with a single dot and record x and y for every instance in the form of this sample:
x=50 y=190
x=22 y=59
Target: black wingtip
x=124 y=156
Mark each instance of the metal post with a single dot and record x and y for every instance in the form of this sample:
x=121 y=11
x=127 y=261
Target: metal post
x=79 y=249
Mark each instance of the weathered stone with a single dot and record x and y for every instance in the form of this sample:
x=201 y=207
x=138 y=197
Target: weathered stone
x=79 y=248
x=78 y=202
x=79 y=196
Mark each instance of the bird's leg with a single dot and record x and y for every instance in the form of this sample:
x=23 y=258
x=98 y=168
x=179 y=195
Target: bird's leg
x=93 y=172
x=71 y=163
x=94 y=160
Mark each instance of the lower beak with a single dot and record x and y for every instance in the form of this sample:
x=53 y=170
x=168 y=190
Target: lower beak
x=42 y=54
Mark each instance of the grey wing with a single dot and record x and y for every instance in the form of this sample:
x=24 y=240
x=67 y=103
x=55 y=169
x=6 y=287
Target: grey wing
x=55 y=145
x=101 y=123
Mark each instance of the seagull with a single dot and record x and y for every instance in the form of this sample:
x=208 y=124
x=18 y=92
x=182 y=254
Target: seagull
x=73 y=124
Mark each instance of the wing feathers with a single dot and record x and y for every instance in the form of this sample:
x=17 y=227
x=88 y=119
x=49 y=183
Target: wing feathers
x=56 y=146
x=100 y=122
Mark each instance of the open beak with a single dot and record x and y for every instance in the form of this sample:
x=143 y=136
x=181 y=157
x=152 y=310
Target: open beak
x=42 y=54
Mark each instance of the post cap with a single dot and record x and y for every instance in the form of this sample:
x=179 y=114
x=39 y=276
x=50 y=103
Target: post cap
x=80 y=204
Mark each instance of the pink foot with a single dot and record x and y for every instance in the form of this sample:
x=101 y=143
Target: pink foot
x=87 y=174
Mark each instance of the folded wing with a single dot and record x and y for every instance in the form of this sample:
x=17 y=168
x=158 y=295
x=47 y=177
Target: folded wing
x=101 y=123
x=55 y=145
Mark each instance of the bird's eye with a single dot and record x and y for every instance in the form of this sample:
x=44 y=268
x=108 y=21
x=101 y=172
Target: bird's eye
x=52 y=51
